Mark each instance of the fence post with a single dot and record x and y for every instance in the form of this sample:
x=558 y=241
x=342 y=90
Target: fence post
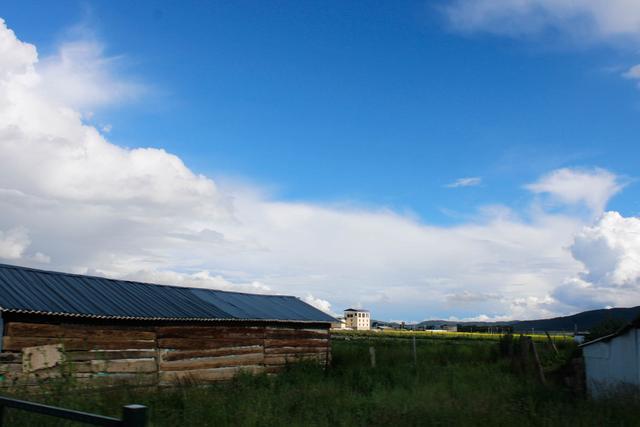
x=553 y=344
x=372 y=354
x=1 y=415
x=134 y=416
x=415 y=353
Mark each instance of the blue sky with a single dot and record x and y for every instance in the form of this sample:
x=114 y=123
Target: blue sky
x=378 y=102
x=366 y=106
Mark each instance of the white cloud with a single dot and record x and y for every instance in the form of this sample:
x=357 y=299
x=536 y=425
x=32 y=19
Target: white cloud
x=465 y=182
x=79 y=75
x=584 y=20
x=142 y=214
x=13 y=243
x=592 y=187
x=610 y=254
x=633 y=72
x=320 y=304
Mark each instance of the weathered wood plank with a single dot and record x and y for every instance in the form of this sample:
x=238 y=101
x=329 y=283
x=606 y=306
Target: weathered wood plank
x=295 y=343
x=208 y=332
x=11 y=357
x=70 y=344
x=78 y=356
x=167 y=355
x=124 y=366
x=212 y=362
x=292 y=358
x=285 y=350
x=295 y=334
x=200 y=344
x=10 y=367
x=18 y=329
x=205 y=375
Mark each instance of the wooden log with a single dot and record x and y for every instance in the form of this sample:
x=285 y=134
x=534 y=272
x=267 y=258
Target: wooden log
x=205 y=375
x=208 y=332
x=78 y=356
x=538 y=364
x=551 y=342
x=295 y=334
x=167 y=355
x=296 y=343
x=212 y=362
x=292 y=358
x=10 y=367
x=285 y=350
x=124 y=366
x=44 y=330
x=96 y=380
x=199 y=344
x=11 y=357
x=70 y=344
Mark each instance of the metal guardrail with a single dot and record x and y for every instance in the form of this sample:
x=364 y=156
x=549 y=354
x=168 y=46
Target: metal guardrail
x=132 y=415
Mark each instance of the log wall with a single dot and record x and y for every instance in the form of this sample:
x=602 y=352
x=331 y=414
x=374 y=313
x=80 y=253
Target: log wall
x=152 y=355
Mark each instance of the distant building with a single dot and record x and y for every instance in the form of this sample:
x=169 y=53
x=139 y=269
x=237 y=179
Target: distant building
x=357 y=319
x=612 y=362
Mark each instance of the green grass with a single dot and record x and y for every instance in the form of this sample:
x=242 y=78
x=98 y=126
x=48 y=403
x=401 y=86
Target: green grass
x=456 y=383
x=444 y=335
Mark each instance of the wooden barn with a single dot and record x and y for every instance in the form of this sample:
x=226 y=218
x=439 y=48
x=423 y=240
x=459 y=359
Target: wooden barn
x=99 y=330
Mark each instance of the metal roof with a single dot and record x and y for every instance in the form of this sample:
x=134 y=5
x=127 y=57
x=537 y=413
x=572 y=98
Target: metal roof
x=27 y=290
x=634 y=324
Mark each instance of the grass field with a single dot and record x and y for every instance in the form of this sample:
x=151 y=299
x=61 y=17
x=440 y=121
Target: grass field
x=455 y=383
x=472 y=336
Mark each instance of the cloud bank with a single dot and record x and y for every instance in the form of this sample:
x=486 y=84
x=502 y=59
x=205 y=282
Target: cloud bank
x=71 y=200
x=584 y=20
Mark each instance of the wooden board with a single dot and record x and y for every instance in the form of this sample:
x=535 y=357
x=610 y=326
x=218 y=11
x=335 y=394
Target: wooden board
x=200 y=344
x=168 y=355
x=125 y=365
x=18 y=343
x=285 y=350
x=295 y=343
x=295 y=334
x=44 y=330
x=205 y=375
x=213 y=362
x=78 y=356
x=209 y=332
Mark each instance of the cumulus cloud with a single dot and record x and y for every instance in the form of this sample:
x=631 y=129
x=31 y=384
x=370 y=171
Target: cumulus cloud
x=585 y=20
x=13 y=243
x=94 y=207
x=465 y=182
x=633 y=73
x=81 y=76
x=609 y=251
x=592 y=188
x=320 y=304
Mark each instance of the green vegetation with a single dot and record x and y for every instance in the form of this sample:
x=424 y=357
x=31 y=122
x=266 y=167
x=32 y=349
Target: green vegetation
x=455 y=383
x=440 y=335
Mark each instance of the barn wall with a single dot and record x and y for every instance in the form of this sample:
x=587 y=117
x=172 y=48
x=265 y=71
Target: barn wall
x=612 y=364
x=155 y=354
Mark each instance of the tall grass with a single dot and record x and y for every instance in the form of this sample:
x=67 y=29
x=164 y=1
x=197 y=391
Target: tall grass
x=453 y=384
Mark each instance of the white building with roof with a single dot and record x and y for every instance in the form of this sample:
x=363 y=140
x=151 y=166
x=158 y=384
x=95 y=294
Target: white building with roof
x=357 y=319
x=612 y=362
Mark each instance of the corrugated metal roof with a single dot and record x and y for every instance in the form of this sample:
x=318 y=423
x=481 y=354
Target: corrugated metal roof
x=27 y=290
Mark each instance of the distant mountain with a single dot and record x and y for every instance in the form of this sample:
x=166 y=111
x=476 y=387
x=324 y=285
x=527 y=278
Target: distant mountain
x=583 y=321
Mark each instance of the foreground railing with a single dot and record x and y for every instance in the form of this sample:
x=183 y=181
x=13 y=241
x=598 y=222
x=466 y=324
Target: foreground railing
x=132 y=415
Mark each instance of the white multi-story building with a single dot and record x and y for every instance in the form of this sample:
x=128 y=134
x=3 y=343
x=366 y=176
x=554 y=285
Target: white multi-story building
x=357 y=319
